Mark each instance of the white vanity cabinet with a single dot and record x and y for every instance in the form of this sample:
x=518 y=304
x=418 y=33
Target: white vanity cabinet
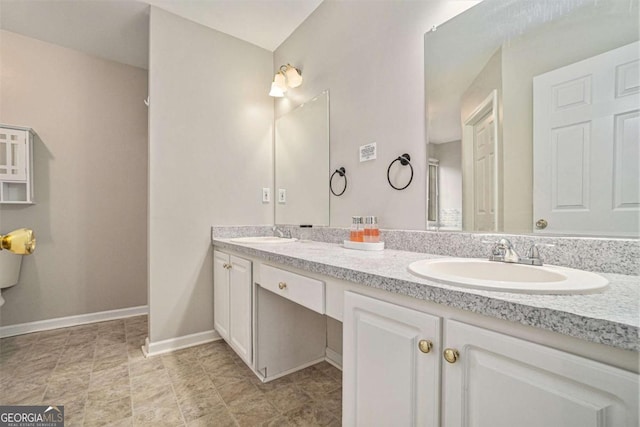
x=502 y=381
x=489 y=379
x=16 y=164
x=232 y=297
x=391 y=364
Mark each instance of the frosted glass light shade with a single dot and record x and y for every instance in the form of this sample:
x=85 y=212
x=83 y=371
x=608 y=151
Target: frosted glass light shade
x=276 y=91
x=294 y=79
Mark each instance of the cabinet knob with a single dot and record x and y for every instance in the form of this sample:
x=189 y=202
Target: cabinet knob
x=451 y=355
x=425 y=346
x=282 y=285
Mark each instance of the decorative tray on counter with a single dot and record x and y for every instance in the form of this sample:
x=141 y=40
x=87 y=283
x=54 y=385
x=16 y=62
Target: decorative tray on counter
x=364 y=246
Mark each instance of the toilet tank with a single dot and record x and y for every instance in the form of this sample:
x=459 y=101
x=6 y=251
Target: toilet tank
x=9 y=268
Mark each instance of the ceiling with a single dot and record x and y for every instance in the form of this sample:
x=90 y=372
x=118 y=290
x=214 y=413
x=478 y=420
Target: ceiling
x=119 y=29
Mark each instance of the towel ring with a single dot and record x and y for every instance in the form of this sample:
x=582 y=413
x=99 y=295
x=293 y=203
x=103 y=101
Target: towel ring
x=343 y=173
x=404 y=160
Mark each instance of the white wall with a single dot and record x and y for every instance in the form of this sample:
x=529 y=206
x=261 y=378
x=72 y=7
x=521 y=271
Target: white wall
x=449 y=156
x=90 y=176
x=210 y=154
x=371 y=58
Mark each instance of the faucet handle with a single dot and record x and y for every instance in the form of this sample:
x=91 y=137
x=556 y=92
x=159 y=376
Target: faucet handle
x=534 y=255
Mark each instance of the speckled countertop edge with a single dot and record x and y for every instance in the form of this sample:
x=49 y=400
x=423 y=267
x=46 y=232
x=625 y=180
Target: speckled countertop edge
x=611 y=318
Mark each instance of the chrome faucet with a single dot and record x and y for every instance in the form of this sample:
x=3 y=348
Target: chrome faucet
x=282 y=233
x=503 y=251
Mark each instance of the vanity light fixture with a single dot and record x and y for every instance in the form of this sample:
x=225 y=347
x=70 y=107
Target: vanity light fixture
x=287 y=77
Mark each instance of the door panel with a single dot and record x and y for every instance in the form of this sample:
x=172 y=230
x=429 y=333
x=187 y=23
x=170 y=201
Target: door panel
x=501 y=381
x=388 y=381
x=221 y=294
x=240 y=307
x=586 y=145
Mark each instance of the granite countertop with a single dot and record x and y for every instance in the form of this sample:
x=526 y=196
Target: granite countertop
x=611 y=317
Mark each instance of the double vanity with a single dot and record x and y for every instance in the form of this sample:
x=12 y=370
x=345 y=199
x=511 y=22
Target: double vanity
x=426 y=351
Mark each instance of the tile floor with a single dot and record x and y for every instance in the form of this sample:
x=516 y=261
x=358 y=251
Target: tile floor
x=97 y=371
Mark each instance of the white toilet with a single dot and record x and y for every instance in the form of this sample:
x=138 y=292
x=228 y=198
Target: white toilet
x=9 y=271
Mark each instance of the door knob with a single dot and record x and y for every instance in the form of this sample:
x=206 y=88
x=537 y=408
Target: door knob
x=451 y=355
x=541 y=224
x=282 y=285
x=425 y=346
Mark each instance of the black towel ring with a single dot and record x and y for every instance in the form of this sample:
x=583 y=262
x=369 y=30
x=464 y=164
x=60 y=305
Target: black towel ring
x=404 y=161
x=343 y=173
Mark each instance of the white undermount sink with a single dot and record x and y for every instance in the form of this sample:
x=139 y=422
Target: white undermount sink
x=263 y=239
x=508 y=277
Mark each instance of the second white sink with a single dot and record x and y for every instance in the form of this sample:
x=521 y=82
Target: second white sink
x=263 y=239
x=508 y=277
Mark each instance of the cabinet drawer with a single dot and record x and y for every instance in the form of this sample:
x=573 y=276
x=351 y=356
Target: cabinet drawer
x=299 y=289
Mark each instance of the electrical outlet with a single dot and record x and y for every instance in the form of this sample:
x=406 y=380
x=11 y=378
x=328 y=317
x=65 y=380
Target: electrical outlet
x=266 y=195
x=282 y=195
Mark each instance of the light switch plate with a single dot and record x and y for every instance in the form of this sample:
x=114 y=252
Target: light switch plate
x=282 y=195
x=266 y=195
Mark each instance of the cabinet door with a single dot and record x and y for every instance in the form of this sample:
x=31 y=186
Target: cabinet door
x=240 y=307
x=501 y=381
x=388 y=380
x=221 y=293
x=13 y=154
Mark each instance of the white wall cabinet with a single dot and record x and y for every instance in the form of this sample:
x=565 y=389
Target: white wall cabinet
x=16 y=164
x=232 y=296
x=391 y=364
x=492 y=380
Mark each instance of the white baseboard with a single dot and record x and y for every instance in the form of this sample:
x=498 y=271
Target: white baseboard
x=65 y=322
x=172 y=344
x=334 y=358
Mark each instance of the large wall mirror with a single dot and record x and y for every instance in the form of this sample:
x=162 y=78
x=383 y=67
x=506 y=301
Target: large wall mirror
x=533 y=118
x=302 y=164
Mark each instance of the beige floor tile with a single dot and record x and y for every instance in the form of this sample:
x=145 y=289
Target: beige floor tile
x=225 y=374
x=144 y=366
x=310 y=415
x=220 y=418
x=73 y=409
x=333 y=401
x=192 y=385
x=22 y=394
x=99 y=374
x=66 y=387
x=150 y=379
x=106 y=351
x=110 y=362
x=152 y=397
x=253 y=411
x=116 y=412
x=287 y=397
x=109 y=393
x=111 y=377
x=279 y=421
x=195 y=406
x=271 y=384
x=318 y=386
x=160 y=417
x=236 y=393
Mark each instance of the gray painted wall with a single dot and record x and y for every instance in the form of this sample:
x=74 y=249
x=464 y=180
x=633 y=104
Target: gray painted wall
x=90 y=180
x=371 y=58
x=210 y=154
